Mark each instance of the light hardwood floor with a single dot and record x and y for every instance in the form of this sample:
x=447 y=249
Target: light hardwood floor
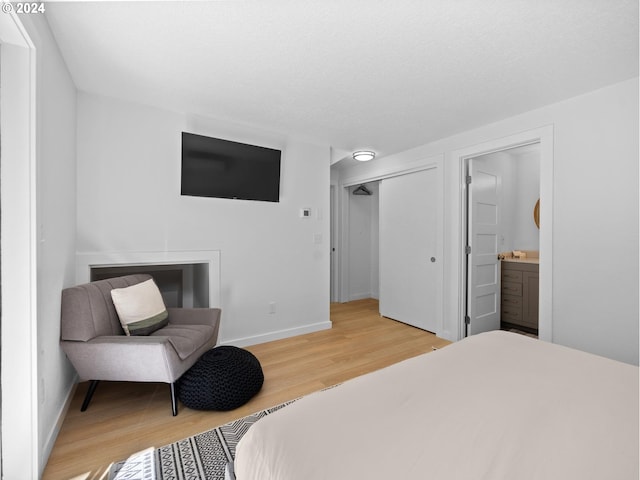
x=124 y=418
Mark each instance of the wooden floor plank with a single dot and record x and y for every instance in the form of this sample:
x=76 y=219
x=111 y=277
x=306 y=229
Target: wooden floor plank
x=124 y=418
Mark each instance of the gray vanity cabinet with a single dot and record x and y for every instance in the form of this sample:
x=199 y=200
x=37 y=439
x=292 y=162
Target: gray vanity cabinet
x=519 y=300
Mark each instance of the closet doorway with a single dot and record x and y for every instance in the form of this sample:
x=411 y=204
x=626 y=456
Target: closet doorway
x=392 y=246
x=362 y=245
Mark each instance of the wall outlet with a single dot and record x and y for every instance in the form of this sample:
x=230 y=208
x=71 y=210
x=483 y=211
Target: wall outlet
x=272 y=307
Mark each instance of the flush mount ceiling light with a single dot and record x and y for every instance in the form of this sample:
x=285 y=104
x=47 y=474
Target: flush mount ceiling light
x=364 y=155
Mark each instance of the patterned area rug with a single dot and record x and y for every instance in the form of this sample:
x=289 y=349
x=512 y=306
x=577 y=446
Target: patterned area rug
x=203 y=456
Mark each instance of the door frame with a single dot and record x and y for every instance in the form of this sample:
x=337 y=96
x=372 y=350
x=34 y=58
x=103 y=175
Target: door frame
x=21 y=452
x=342 y=249
x=543 y=136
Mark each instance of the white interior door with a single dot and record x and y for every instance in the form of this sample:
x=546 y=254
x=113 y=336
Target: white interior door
x=410 y=256
x=483 y=275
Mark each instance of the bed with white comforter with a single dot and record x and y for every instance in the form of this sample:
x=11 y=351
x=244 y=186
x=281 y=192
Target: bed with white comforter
x=493 y=406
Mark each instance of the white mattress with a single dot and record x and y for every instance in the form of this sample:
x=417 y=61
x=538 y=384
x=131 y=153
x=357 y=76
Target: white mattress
x=493 y=406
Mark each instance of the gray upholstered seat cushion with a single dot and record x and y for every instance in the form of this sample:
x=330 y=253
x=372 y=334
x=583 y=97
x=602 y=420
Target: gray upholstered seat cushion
x=186 y=339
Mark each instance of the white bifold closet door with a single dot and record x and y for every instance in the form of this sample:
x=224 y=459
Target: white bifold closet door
x=410 y=261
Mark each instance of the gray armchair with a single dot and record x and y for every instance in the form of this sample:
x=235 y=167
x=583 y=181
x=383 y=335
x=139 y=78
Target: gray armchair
x=93 y=339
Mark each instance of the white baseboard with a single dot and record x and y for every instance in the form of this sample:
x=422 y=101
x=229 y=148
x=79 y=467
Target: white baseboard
x=53 y=434
x=360 y=296
x=277 y=335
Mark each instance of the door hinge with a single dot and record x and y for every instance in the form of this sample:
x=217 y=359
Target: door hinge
x=467 y=249
x=468 y=179
x=467 y=319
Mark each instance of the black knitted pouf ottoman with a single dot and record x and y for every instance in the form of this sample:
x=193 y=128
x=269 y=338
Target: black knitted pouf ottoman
x=223 y=378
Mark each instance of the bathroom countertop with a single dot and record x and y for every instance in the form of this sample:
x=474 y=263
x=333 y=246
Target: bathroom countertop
x=531 y=256
x=535 y=261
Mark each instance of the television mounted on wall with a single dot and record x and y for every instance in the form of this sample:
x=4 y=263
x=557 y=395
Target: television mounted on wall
x=213 y=167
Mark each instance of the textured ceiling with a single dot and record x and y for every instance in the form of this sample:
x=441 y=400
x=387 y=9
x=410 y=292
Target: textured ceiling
x=386 y=75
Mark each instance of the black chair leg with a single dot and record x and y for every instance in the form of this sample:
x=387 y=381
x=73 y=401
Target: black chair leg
x=92 y=388
x=174 y=399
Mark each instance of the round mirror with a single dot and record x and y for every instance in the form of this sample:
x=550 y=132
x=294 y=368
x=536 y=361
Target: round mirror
x=536 y=213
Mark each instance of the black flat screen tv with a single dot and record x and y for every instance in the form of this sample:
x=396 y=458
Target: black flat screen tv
x=212 y=167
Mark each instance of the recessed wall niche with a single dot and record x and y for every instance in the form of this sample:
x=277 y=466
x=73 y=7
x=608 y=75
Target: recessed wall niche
x=181 y=285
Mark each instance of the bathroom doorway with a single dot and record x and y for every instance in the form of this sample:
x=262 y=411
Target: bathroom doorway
x=502 y=240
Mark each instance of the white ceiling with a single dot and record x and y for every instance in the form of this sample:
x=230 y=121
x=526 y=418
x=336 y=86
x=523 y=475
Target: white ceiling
x=386 y=75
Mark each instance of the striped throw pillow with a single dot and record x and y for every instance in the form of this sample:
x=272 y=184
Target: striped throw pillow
x=140 y=308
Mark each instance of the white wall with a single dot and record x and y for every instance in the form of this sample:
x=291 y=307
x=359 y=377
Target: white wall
x=595 y=215
x=50 y=211
x=129 y=200
x=374 y=273
x=520 y=189
x=526 y=235
x=363 y=243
